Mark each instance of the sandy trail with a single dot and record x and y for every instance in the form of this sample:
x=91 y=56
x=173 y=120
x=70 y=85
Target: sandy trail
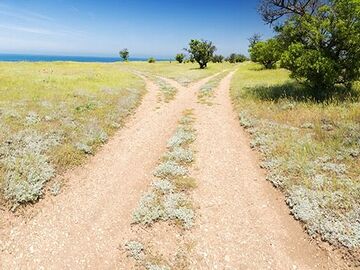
x=83 y=226
x=242 y=222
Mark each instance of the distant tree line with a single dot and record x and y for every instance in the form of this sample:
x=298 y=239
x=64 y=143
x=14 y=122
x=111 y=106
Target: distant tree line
x=203 y=52
x=199 y=51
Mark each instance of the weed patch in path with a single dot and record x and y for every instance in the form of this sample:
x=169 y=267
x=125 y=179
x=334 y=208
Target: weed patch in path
x=168 y=198
x=167 y=92
x=164 y=201
x=206 y=93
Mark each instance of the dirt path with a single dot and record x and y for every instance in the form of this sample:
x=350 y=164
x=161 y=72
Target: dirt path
x=242 y=224
x=83 y=226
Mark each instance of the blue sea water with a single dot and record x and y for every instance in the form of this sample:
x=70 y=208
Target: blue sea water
x=53 y=58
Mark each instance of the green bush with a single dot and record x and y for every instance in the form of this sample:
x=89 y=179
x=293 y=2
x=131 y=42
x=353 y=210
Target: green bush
x=151 y=60
x=236 y=58
x=201 y=51
x=124 y=54
x=266 y=53
x=180 y=57
x=320 y=42
x=217 y=58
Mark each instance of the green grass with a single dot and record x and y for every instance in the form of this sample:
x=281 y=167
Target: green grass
x=183 y=73
x=311 y=150
x=71 y=107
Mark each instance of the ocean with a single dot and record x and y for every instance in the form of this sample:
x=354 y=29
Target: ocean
x=53 y=58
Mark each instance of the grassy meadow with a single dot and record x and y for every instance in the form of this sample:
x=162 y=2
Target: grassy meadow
x=311 y=150
x=182 y=73
x=52 y=115
x=55 y=114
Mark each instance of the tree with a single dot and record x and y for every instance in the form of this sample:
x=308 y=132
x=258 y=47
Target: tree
x=217 y=58
x=180 y=57
x=124 y=54
x=320 y=40
x=236 y=58
x=232 y=58
x=151 y=60
x=266 y=52
x=272 y=10
x=201 y=51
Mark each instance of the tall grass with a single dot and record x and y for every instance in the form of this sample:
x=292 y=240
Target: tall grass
x=311 y=150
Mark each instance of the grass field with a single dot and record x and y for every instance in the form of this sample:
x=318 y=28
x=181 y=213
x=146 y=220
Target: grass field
x=183 y=73
x=52 y=115
x=311 y=150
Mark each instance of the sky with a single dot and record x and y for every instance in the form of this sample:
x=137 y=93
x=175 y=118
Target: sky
x=159 y=28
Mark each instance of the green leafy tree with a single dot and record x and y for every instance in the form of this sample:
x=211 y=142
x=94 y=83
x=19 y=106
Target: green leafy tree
x=151 y=60
x=266 y=52
x=180 y=57
x=232 y=58
x=240 y=58
x=320 y=41
x=124 y=54
x=201 y=51
x=217 y=58
x=236 y=58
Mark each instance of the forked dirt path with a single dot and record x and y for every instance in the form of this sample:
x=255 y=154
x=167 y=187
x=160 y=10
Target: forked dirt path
x=83 y=226
x=242 y=222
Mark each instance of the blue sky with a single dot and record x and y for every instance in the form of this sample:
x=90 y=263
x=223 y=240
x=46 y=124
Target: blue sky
x=157 y=28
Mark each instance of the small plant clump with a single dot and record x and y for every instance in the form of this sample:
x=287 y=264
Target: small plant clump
x=167 y=91
x=143 y=257
x=135 y=249
x=206 y=92
x=27 y=167
x=168 y=198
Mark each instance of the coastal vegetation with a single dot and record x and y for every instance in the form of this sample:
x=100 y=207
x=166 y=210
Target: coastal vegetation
x=54 y=115
x=318 y=41
x=311 y=150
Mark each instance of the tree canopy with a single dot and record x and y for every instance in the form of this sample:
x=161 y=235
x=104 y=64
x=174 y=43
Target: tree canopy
x=180 y=57
x=202 y=51
x=218 y=58
x=266 y=52
x=319 y=41
x=236 y=58
x=124 y=54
